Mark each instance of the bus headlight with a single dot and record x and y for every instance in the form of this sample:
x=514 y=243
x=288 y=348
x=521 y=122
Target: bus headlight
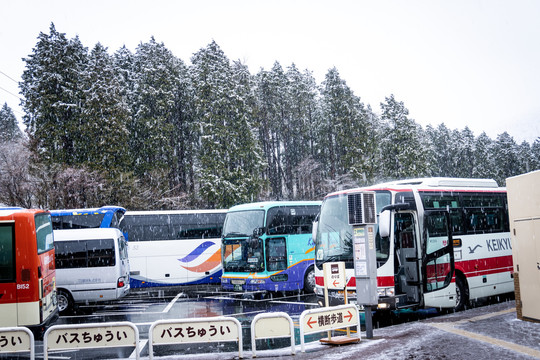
x=389 y=291
x=279 y=277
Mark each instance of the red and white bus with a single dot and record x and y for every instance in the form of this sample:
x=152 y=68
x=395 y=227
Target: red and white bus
x=27 y=269
x=465 y=219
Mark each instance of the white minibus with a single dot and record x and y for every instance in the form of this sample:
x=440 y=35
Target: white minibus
x=91 y=265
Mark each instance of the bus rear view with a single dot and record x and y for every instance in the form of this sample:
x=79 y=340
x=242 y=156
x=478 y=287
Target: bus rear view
x=92 y=265
x=27 y=270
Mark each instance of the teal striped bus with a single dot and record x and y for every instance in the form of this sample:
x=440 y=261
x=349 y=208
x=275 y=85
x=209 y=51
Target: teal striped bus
x=268 y=246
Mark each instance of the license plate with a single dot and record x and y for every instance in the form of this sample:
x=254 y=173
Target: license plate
x=238 y=282
x=238 y=288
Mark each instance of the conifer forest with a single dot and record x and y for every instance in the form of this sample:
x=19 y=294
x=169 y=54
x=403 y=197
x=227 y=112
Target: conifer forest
x=148 y=130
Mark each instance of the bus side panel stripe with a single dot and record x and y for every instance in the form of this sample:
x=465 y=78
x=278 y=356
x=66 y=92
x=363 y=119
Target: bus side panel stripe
x=197 y=252
x=212 y=262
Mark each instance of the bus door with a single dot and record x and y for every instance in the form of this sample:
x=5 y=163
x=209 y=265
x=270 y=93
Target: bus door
x=407 y=267
x=438 y=260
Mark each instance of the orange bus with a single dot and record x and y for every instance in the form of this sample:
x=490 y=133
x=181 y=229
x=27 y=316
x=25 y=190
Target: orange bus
x=27 y=269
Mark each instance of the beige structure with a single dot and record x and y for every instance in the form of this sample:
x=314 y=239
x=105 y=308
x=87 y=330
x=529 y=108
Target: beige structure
x=524 y=214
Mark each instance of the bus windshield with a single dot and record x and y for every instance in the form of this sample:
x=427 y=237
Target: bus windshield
x=245 y=254
x=243 y=223
x=334 y=234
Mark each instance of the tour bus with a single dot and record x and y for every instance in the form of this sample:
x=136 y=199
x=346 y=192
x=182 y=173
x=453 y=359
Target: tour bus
x=268 y=246
x=103 y=217
x=466 y=220
x=27 y=271
x=91 y=266
x=176 y=247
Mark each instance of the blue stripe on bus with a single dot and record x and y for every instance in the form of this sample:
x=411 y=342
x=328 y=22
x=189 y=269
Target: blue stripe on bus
x=197 y=252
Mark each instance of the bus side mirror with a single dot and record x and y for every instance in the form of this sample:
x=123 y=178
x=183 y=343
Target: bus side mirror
x=384 y=223
x=257 y=232
x=314 y=230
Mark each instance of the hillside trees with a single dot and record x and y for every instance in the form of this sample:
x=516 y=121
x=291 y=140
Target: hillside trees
x=147 y=131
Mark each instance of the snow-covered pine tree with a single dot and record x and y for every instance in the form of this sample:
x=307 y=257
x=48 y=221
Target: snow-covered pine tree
x=9 y=129
x=52 y=97
x=229 y=159
x=347 y=141
x=403 y=154
x=151 y=127
x=505 y=157
x=483 y=158
x=270 y=90
x=104 y=116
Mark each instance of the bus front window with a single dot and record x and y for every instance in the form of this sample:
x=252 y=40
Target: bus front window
x=241 y=251
x=334 y=234
x=243 y=255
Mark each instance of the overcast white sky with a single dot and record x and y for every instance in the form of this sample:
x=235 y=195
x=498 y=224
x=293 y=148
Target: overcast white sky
x=462 y=62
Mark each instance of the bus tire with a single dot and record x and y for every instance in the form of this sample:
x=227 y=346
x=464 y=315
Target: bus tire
x=462 y=293
x=309 y=280
x=65 y=302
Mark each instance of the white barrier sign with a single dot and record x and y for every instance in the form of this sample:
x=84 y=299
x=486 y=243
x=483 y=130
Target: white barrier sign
x=189 y=332
x=16 y=339
x=328 y=318
x=197 y=330
x=63 y=337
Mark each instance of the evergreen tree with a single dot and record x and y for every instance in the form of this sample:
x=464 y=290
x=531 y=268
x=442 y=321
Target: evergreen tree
x=104 y=116
x=52 y=97
x=524 y=155
x=229 y=157
x=483 y=158
x=272 y=110
x=403 y=154
x=535 y=154
x=347 y=142
x=151 y=127
x=464 y=153
x=505 y=157
x=305 y=125
x=9 y=130
x=441 y=150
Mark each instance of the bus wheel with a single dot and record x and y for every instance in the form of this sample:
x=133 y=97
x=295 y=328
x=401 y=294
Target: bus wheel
x=462 y=294
x=65 y=304
x=309 y=280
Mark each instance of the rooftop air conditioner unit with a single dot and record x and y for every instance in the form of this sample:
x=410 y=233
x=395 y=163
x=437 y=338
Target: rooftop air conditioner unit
x=361 y=208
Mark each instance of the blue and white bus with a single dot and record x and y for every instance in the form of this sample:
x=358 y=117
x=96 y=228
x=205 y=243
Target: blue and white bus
x=269 y=246
x=174 y=247
x=89 y=218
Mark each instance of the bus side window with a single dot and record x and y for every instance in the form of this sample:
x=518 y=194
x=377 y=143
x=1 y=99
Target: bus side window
x=7 y=255
x=277 y=222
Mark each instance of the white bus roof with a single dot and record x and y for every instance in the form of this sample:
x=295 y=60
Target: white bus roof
x=86 y=234
x=428 y=183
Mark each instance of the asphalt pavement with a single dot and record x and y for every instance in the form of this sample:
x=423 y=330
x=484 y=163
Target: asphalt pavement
x=486 y=332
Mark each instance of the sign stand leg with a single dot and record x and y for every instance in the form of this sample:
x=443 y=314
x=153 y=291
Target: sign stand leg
x=369 y=322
